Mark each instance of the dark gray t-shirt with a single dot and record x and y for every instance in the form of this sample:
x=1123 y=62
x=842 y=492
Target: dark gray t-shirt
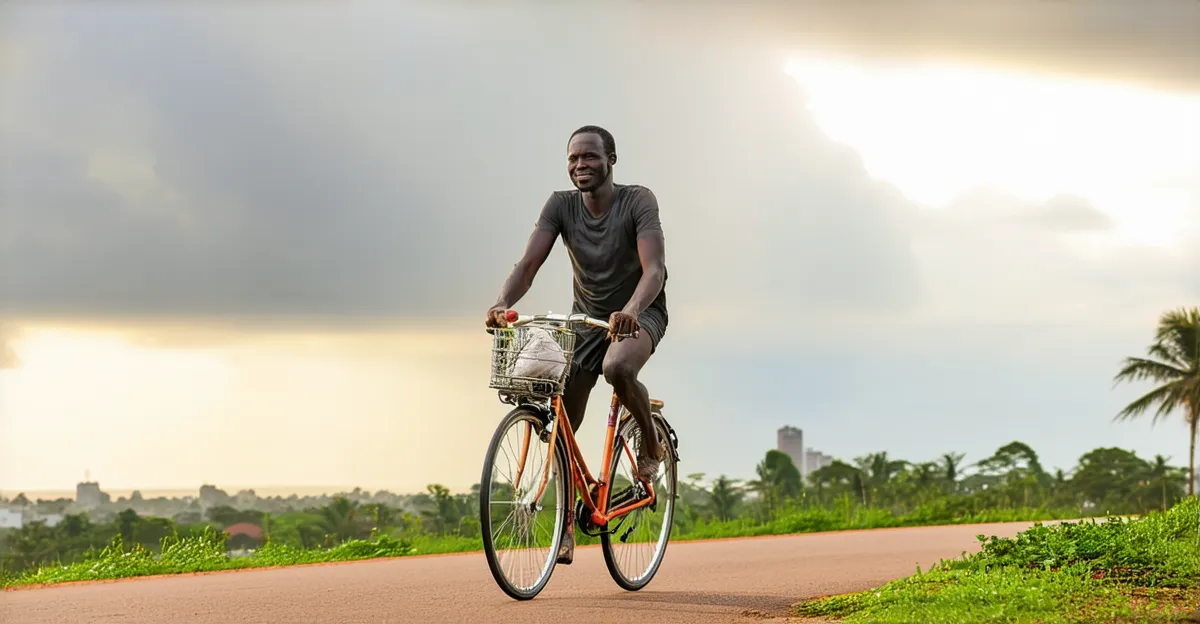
x=603 y=250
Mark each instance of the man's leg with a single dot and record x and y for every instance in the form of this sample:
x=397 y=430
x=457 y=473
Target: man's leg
x=575 y=398
x=622 y=364
x=575 y=395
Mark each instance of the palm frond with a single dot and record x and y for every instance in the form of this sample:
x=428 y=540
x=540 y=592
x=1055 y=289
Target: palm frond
x=1138 y=369
x=1171 y=353
x=1179 y=334
x=1169 y=397
x=1178 y=317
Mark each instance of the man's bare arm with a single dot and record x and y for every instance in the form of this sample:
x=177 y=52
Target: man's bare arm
x=652 y=252
x=521 y=278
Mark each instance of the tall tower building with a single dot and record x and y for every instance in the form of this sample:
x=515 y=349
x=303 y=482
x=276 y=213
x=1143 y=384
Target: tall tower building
x=790 y=441
x=89 y=495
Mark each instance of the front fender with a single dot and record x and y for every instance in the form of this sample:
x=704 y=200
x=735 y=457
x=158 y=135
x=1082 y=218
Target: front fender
x=541 y=411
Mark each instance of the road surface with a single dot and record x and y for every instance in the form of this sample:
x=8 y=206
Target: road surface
x=737 y=580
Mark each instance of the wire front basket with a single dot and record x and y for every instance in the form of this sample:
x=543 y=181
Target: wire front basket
x=531 y=360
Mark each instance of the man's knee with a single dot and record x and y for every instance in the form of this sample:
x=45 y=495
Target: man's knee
x=620 y=372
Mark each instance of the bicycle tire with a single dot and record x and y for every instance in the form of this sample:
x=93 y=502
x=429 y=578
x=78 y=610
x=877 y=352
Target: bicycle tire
x=559 y=479
x=669 y=477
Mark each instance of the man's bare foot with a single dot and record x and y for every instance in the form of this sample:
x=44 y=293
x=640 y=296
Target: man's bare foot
x=649 y=460
x=566 y=550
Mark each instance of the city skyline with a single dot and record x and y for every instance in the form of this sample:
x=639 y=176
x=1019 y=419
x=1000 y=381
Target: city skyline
x=815 y=458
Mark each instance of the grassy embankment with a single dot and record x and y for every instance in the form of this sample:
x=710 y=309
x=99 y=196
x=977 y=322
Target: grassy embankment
x=1142 y=570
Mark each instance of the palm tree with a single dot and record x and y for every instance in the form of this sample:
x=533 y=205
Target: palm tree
x=446 y=512
x=877 y=471
x=1174 y=363
x=778 y=480
x=725 y=496
x=1165 y=477
x=340 y=519
x=836 y=478
x=950 y=464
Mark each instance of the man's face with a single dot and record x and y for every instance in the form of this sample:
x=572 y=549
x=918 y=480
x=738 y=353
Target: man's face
x=586 y=163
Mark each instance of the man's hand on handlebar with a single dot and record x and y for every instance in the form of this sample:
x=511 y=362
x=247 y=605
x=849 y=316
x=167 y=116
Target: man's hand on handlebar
x=623 y=325
x=496 y=316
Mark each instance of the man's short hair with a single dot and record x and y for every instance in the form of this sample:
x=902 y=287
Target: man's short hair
x=610 y=145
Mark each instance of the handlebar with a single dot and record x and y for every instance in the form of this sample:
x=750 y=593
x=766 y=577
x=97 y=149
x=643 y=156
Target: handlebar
x=516 y=320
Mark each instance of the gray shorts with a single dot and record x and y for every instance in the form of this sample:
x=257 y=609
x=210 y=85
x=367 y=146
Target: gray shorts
x=591 y=344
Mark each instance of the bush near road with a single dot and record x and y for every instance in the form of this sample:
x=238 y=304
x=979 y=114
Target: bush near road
x=1140 y=570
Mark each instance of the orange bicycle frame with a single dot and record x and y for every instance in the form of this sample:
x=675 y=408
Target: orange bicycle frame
x=581 y=477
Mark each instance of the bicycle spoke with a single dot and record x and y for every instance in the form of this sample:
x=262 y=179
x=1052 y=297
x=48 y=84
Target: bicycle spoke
x=520 y=542
x=640 y=538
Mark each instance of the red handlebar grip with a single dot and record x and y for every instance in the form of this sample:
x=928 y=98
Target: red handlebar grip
x=510 y=316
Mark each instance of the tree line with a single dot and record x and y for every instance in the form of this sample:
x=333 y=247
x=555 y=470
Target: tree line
x=1105 y=481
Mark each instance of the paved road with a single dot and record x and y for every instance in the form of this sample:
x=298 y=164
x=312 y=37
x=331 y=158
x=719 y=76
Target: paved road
x=743 y=580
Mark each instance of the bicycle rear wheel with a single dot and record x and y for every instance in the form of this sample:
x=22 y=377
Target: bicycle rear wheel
x=521 y=535
x=634 y=552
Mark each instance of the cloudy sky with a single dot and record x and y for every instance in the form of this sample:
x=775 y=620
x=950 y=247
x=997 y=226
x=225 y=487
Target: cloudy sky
x=253 y=245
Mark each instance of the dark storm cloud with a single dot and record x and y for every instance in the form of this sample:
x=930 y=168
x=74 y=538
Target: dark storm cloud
x=313 y=162
x=1151 y=42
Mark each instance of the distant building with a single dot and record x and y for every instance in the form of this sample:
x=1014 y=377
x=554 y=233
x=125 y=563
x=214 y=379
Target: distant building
x=245 y=499
x=211 y=496
x=11 y=518
x=815 y=460
x=249 y=529
x=243 y=535
x=51 y=519
x=790 y=441
x=18 y=517
x=88 y=495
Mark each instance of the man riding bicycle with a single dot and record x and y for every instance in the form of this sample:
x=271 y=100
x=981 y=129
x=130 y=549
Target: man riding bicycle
x=615 y=240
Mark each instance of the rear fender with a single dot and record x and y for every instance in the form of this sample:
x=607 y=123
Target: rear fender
x=656 y=414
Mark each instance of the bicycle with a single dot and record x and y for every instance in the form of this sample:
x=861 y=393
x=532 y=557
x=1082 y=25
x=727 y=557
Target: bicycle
x=541 y=423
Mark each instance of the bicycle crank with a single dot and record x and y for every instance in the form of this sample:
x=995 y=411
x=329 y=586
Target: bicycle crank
x=583 y=520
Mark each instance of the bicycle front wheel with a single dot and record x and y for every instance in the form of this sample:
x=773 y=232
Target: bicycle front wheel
x=635 y=549
x=521 y=530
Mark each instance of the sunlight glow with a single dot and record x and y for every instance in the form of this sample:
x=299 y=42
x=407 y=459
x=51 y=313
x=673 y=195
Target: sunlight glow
x=935 y=130
x=151 y=409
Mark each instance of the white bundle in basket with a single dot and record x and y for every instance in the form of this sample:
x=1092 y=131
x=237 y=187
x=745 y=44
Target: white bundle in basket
x=541 y=357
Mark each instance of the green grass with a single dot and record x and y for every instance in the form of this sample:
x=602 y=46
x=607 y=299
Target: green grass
x=207 y=551
x=819 y=519
x=1143 y=570
x=203 y=553
x=804 y=520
